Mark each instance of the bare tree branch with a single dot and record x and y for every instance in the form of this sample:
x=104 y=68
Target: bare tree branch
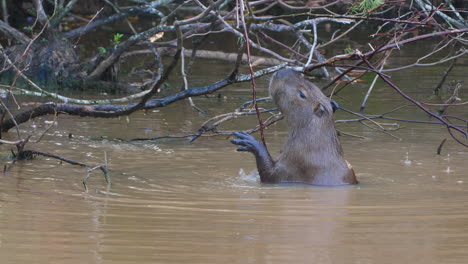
x=13 y=33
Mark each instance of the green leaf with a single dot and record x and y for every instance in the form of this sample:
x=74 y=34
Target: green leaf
x=117 y=39
x=365 y=6
x=102 y=50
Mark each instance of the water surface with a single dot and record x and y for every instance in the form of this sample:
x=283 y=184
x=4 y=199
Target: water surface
x=173 y=202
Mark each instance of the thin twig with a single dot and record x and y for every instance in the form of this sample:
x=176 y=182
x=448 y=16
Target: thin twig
x=418 y=104
x=439 y=148
x=252 y=80
x=444 y=77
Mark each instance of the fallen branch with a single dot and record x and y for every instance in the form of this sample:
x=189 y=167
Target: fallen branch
x=110 y=111
x=13 y=33
x=30 y=154
x=384 y=48
x=150 y=8
x=453 y=98
x=418 y=104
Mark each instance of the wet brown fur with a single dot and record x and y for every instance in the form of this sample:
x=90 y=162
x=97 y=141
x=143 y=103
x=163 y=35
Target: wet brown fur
x=312 y=152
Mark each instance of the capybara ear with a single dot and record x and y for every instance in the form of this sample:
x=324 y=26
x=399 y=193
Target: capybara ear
x=319 y=109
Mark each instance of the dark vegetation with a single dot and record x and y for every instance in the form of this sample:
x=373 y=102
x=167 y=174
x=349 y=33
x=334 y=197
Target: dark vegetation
x=42 y=54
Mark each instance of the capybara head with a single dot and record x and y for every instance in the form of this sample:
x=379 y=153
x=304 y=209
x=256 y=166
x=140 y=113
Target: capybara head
x=298 y=99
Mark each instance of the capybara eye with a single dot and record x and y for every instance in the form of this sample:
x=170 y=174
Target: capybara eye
x=301 y=94
x=335 y=105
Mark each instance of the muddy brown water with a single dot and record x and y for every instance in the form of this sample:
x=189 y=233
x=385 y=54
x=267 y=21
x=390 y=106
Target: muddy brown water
x=172 y=202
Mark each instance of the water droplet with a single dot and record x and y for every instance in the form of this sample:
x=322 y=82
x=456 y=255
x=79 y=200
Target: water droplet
x=407 y=161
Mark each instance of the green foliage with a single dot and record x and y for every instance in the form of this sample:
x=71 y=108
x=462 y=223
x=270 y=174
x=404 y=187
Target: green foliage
x=102 y=50
x=365 y=6
x=117 y=39
x=240 y=40
x=31 y=11
x=348 y=49
x=28 y=28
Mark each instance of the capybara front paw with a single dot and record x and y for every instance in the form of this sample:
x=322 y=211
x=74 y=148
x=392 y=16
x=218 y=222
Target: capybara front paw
x=246 y=141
